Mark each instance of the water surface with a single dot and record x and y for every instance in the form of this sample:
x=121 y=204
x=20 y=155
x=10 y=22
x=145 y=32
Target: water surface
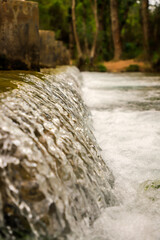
x=126 y=116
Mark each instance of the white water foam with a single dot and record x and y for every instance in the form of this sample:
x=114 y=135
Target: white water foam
x=126 y=115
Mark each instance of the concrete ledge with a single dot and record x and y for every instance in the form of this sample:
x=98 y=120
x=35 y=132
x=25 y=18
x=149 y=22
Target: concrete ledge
x=19 y=35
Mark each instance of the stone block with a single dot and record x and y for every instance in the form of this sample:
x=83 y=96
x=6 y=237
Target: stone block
x=52 y=52
x=19 y=35
x=47 y=48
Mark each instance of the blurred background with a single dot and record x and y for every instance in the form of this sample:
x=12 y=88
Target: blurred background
x=105 y=29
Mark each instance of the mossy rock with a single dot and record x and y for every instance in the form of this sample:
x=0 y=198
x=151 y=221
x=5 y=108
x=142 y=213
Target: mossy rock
x=133 y=68
x=152 y=185
x=150 y=190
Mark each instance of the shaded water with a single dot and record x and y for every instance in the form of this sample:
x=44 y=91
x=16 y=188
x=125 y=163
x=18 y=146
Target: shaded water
x=126 y=119
x=53 y=181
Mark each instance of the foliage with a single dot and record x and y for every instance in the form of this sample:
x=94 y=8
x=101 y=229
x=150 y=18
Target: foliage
x=131 y=33
x=94 y=67
x=56 y=15
x=132 y=68
x=85 y=23
x=101 y=68
x=154 y=41
x=155 y=61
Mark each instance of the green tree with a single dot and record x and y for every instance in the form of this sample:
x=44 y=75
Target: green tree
x=104 y=25
x=85 y=27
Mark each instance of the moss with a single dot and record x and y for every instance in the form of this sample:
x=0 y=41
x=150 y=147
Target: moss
x=6 y=86
x=153 y=185
x=9 y=80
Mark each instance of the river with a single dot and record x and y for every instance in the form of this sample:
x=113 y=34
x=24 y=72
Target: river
x=54 y=182
x=125 y=109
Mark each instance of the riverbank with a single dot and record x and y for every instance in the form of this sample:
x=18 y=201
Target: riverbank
x=127 y=66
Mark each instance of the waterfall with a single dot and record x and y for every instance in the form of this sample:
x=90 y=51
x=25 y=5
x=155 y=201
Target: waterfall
x=54 y=183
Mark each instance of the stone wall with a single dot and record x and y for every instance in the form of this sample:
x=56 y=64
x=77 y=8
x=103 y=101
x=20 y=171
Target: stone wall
x=52 y=52
x=19 y=35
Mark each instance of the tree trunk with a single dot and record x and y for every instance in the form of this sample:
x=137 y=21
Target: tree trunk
x=71 y=40
x=115 y=29
x=93 y=49
x=145 y=25
x=79 y=51
x=86 y=47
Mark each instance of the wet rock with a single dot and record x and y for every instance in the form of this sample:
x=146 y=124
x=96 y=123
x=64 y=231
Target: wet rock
x=19 y=35
x=18 y=223
x=29 y=191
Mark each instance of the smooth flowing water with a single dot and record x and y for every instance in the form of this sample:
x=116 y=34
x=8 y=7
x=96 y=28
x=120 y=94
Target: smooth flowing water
x=126 y=119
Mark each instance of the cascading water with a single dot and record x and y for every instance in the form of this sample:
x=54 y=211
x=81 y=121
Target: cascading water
x=54 y=183
x=126 y=115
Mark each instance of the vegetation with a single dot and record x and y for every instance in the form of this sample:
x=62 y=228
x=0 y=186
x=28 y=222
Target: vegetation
x=101 y=68
x=101 y=30
x=132 y=68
